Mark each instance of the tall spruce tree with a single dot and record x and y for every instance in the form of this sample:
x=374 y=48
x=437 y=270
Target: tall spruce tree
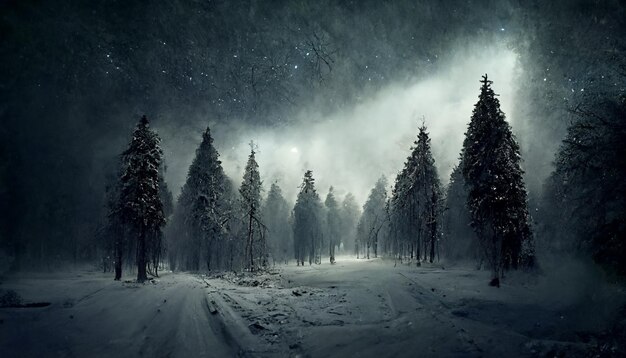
x=429 y=189
x=496 y=192
x=333 y=223
x=415 y=203
x=276 y=218
x=307 y=226
x=202 y=213
x=250 y=191
x=140 y=203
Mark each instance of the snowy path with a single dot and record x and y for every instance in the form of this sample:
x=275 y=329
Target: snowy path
x=360 y=308
x=369 y=308
x=93 y=316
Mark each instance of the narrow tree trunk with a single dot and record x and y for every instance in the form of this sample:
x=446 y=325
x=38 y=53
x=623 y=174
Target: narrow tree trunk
x=157 y=254
x=376 y=246
x=141 y=256
x=264 y=252
x=249 y=248
x=433 y=237
x=418 y=251
x=418 y=246
x=118 y=258
x=208 y=255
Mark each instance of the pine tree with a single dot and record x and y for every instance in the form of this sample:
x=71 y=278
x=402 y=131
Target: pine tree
x=333 y=223
x=429 y=189
x=496 y=193
x=307 y=226
x=202 y=213
x=250 y=191
x=139 y=197
x=276 y=217
x=415 y=203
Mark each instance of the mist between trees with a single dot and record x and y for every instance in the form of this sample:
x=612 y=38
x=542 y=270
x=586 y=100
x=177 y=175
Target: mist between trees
x=559 y=70
x=215 y=224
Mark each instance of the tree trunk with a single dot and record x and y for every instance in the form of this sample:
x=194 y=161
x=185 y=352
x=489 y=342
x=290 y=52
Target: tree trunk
x=376 y=246
x=141 y=256
x=418 y=253
x=264 y=252
x=433 y=239
x=208 y=255
x=118 y=259
x=250 y=258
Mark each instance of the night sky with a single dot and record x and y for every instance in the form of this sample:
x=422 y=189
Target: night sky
x=316 y=84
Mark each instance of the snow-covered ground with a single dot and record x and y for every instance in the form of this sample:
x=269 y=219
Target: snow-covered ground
x=93 y=316
x=357 y=308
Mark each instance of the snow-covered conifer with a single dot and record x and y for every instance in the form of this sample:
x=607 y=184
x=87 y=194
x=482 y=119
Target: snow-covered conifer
x=140 y=202
x=307 y=226
x=250 y=191
x=496 y=192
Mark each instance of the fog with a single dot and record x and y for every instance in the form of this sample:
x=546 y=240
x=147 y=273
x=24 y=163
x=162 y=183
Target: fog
x=351 y=148
x=340 y=89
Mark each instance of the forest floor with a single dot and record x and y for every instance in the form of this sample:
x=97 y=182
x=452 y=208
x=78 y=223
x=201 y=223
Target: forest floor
x=359 y=308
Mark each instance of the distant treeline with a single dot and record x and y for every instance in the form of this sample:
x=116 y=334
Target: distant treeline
x=214 y=227
x=72 y=72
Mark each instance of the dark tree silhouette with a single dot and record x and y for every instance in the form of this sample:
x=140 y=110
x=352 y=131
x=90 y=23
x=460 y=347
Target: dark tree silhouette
x=250 y=191
x=415 y=203
x=203 y=212
x=496 y=192
x=307 y=226
x=139 y=202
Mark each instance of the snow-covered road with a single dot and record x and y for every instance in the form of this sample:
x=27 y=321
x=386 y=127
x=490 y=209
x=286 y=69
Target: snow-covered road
x=373 y=308
x=92 y=316
x=360 y=308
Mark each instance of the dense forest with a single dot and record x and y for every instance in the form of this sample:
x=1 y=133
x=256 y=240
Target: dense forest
x=78 y=184
x=216 y=228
